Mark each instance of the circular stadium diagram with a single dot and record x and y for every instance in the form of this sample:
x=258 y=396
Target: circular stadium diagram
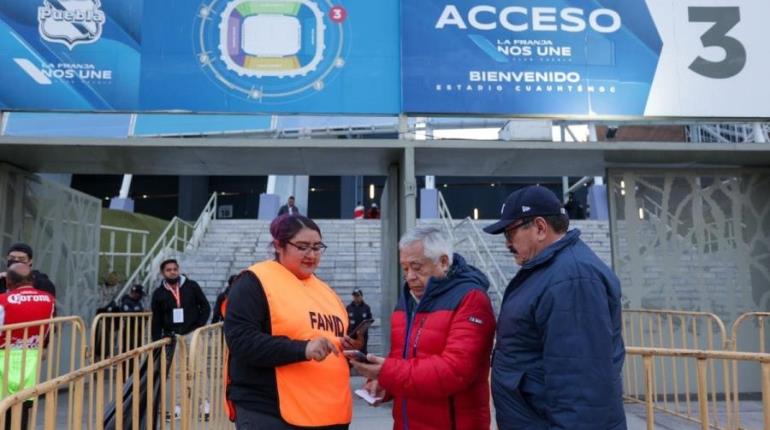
x=276 y=50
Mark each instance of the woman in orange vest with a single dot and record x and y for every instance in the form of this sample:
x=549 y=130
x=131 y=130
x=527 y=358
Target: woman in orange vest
x=285 y=328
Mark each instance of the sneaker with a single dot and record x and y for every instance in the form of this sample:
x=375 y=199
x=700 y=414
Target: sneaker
x=177 y=415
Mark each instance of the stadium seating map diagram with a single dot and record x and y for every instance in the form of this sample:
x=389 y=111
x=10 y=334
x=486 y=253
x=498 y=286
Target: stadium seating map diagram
x=271 y=50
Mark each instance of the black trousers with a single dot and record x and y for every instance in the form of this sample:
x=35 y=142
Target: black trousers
x=251 y=420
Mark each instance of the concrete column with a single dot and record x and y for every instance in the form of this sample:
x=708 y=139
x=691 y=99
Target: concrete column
x=407 y=191
x=390 y=274
x=348 y=196
x=759 y=133
x=283 y=186
x=122 y=202
x=429 y=203
x=268 y=206
x=597 y=200
x=193 y=195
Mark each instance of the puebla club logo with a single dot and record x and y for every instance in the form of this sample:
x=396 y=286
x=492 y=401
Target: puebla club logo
x=70 y=22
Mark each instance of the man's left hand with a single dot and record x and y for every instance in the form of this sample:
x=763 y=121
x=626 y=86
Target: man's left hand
x=371 y=369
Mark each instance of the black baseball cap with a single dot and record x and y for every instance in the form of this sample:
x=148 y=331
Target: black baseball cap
x=527 y=202
x=138 y=288
x=358 y=292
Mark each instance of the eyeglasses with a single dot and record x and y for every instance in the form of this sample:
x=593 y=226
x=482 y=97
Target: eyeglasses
x=509 y=231
x=305 y=248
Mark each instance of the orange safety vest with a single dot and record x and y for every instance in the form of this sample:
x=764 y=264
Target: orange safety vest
x=310 y=393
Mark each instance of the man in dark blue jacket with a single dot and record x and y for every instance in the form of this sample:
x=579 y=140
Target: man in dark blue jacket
x=559 y=351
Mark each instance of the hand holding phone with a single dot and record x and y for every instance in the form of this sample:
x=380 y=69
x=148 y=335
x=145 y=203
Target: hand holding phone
x=354 y=354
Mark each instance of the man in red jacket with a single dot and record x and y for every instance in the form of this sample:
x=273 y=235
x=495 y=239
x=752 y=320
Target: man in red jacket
x=22 y=350
x=437 y=370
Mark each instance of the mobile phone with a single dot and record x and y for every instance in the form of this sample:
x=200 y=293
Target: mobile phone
x=354 y=354
x=361 y=328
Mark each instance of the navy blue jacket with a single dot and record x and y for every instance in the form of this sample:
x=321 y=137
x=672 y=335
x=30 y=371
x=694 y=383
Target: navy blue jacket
x=559 y=353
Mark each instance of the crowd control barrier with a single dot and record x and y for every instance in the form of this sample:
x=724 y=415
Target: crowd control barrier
x=206 y=369
x=701 y=406
x=143 y=394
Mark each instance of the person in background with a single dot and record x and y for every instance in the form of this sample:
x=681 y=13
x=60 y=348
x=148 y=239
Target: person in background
x=575 y=209
x=374 y=212
x=21 y=303
x=132 y=302
x=22 y=253
x=359 y=311
x=218 y=314
x=178 y=304
x=288 y=208
x=358 y=212
x=284 y=329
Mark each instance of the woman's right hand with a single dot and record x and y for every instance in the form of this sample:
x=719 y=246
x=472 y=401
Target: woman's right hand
x=317 y=349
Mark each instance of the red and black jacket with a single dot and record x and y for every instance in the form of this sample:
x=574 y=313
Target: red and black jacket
x=438 y=368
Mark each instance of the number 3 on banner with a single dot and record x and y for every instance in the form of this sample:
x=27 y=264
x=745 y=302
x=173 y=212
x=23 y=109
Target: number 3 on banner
x=338 y=14
x=724 y=19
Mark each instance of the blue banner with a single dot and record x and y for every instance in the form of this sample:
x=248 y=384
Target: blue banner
x=240 y=56
x=552 y=57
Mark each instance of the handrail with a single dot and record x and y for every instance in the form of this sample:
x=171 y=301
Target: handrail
x=445 y=216
x=478 y=244
x=124 y=229
x=144 y=273
x=110 y=254
x=208 y=213
x=486 y=257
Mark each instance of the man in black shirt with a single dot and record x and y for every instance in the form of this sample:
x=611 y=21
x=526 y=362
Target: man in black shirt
x=22 y=253
x=288 y=208
x=357 y=312
x=178 y=304
x=132 y=302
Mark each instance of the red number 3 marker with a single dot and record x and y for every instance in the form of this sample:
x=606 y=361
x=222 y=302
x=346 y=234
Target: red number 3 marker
x=338 y=14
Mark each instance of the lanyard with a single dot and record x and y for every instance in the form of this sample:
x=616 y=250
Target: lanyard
x=175 y=292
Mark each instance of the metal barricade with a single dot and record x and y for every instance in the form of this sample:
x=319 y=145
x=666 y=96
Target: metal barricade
x=143 y=395
x=206 y=368
x=673 y=380
x=739 y=330
x=42 y=350
x=703 y=410
x=115 y=333
x=761 y=319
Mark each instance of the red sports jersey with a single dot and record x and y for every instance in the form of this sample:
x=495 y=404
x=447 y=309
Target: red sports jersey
x=25 y=304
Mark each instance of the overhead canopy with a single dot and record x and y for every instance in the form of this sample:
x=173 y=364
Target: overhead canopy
x=253 y=156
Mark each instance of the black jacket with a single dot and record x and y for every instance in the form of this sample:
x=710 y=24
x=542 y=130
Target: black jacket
x=283 y=210
x=42 y=283
x=196 y=309
x=127 y=304
x=217 y=313
x=356 y=314
x=254 y=352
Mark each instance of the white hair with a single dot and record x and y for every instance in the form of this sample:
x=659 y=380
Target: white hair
x=434 y=242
